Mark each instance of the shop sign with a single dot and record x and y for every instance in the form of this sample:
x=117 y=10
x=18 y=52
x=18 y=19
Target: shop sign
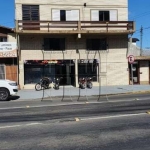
x=44 y=62
x=87 y=60
x=131 y=59
x=8 y=49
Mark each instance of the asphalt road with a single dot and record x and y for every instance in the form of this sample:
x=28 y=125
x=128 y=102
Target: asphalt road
x=120 y=132
x=106 y=125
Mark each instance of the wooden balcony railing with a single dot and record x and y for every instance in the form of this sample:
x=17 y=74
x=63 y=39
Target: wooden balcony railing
x=75 y=27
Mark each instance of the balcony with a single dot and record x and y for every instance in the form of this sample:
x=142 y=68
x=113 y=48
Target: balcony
x=75 y=27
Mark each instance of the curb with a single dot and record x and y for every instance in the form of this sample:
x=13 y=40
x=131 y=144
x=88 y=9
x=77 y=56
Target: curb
x=66 y=98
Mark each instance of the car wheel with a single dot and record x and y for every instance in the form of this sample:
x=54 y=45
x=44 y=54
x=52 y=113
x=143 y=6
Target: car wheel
x=4 y=94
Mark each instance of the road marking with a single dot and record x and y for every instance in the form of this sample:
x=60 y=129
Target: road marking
x=14 y=126
x=68 y=104
x=77 y=119
x=22 y=125
x=32 y=124
x=148 y=112
x=116 y=116
x=74 y=103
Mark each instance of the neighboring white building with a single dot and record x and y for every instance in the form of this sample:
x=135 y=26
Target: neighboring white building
x=73 y=39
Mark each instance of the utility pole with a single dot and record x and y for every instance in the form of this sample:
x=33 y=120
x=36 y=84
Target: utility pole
x=141 y=34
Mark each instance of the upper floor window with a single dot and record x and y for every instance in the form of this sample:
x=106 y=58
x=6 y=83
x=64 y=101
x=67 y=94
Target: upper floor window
x=3 y=39
x=96 y=44
x=54 y=44
x=30 y=12
x=65 y=15
x=98 y=15
x=104 y=16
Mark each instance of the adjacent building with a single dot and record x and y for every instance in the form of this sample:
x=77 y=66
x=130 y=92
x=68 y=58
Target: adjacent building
x=73 y=39
x=8 y=54
x=141 y=65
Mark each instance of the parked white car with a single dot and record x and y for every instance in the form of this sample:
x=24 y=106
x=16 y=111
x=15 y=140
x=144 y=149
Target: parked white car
x=7 y=88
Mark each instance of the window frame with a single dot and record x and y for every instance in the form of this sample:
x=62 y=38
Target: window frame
x=31 y=12
x=104 y=16
x=54 y=44
x=58 y=16
x=112 y=15
x=94 y=44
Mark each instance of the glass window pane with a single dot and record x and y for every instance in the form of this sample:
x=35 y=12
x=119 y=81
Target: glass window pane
x=62 y=15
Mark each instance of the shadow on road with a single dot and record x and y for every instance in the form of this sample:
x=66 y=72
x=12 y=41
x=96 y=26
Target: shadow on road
x=13 y=98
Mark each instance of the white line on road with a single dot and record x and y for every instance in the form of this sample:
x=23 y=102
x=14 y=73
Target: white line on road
x=22 y=125
x=80 y=119
x=116 y=116
x=14 y=126
x=32 y=124
x=73 y=103
x=55 y=105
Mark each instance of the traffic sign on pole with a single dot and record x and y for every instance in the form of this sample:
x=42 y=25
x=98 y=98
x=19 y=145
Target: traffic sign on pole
x=131 y=59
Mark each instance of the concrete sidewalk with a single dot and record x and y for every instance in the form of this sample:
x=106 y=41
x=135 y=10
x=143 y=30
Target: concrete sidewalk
x=73 y=91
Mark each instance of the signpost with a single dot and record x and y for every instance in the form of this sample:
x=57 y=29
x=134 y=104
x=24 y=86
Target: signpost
x=131 y=61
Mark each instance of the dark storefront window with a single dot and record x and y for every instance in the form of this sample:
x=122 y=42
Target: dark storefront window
x=33 y=73
x=54 y=44
x=35 y=70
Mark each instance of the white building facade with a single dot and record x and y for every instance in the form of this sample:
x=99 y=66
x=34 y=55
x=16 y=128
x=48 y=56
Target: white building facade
x=73 y=39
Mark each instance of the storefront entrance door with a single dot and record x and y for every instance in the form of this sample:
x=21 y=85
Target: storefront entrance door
x=67 y=72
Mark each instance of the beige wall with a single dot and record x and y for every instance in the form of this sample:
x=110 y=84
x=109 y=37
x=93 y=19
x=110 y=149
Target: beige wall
x=46 y=7
x=144 y=72
x=11 y=37
x=113 y=63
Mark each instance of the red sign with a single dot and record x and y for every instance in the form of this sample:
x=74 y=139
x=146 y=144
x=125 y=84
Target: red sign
x=131 y=59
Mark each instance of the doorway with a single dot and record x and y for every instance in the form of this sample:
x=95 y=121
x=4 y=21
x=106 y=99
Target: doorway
x=67 y=72
x=135 y=71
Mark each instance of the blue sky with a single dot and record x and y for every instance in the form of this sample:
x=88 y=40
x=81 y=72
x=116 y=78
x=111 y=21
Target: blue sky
x=139 y=11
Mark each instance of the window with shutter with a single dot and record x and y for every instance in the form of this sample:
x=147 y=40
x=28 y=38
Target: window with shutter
x=65 y=15
x=94 y=15
x=110 y=15
x=30 y=13
x=113 y=15
x=56 y=15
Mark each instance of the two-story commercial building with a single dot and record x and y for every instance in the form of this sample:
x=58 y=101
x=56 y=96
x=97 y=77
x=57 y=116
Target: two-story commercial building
x=73 y=39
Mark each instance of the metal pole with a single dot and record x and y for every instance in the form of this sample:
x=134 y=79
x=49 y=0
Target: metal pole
x=141 y=31
x=132 y=75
